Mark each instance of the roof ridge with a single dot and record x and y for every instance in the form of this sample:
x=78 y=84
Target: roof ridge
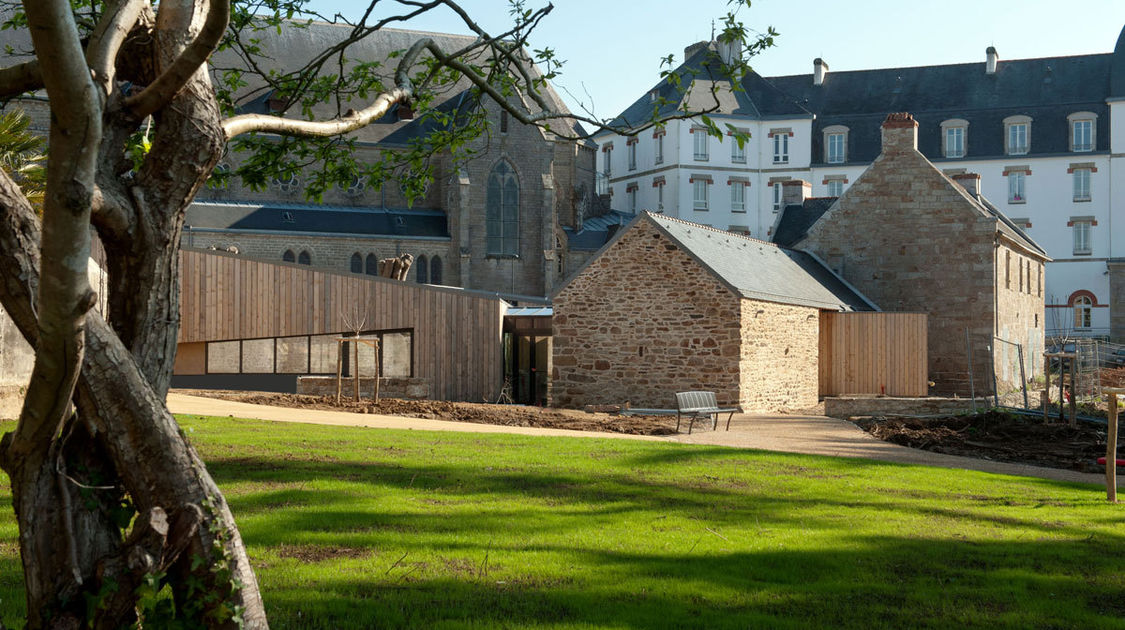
x=713 y=229
x=940 y=65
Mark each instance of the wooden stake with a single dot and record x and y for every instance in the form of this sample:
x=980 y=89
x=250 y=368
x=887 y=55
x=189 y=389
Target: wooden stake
x=378 y=372
x=1074 y=392
x=356 y=355
x=339 y=370
x=1111 y=449
x=1046 y=388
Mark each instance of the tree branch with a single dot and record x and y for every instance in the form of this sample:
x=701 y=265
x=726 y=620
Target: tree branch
x=107 y=38
x=172 y=80
x=20 y=78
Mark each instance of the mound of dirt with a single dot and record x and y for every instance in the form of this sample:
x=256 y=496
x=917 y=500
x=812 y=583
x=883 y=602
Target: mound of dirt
x=997 y=436
x=508 y=415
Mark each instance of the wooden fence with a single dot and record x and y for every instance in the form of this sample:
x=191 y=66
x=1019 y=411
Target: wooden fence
x=873 y=353
x=456 y=333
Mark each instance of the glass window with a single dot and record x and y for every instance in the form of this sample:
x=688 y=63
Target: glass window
x=737 y=152
x=288 y=256
x=631 y=193
x=1083 y=135
x=1081 y=184
x=421 y=273
x=781 y=148
x=632 y=156
x=502 y=211
x=701 y=140
x=1081 y=237
x=292 y=355
x=435 y=270
x=835 y=187
x=658 y=143
x=1017 y=138
x=1016 y=183
x=223 y=357
x=737 y=197
x=357 y=263
x=777 y=196
x=304 y=258
x=955 y=142
x=699 y=189
x=371 y=265
x=836 y=148
x=608 y=162
x=660 y=196
x=1082 y=311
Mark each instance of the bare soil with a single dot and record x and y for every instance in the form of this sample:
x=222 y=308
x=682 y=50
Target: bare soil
x=997 y=436
x=507 y=415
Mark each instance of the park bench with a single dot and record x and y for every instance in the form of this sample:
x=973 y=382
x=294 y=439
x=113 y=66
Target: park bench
x=695 y=405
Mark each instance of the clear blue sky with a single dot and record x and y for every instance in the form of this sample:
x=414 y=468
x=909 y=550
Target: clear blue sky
x=613 y=47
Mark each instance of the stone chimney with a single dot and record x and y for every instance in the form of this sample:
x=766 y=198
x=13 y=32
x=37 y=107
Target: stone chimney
x=820 y=69
x=730 y=52
x=990 y=60
x=794 y=192
x=694 y=48
x=970 y=182
x=900 y=133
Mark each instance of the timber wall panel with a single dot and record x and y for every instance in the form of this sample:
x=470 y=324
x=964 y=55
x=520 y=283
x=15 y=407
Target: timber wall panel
x=873 y=353
x=457 y=334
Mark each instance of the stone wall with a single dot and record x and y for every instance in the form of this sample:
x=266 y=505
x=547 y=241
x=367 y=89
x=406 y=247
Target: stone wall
x=389 y=387
x=850 y=406
x=779 y=356
x=911 y=239
x=1116 y=300
x=642 y=322
x=1019 y=317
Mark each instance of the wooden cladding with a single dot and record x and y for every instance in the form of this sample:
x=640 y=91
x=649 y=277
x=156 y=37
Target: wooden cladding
x=873 y=353
x=457 y=334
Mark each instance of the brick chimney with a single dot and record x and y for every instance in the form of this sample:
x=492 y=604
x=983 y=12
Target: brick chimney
x=900 y=133
x=694 y=48
x=794 y=192
x=970 y=182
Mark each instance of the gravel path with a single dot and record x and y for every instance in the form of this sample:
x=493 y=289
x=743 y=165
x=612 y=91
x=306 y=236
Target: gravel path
x=812 y=435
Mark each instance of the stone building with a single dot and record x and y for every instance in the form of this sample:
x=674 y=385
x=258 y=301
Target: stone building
x=913 y=239
x=1044 y=134
x=669 y=306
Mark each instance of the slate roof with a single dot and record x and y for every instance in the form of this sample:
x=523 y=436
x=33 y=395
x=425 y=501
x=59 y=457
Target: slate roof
x=797 y=219
x=278 y=217
x=762 y=271
x=596 y=231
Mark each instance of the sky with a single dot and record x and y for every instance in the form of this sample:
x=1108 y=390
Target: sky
x=613 y=48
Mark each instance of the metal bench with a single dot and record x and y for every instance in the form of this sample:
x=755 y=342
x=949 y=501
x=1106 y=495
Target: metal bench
x=696 y=405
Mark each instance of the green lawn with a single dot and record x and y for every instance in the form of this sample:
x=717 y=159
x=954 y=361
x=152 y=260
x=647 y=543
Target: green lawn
x=359 y=528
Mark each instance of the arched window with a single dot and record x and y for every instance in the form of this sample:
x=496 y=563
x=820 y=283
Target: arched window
x=304 y=258
x=288 y=256
x=421 y=273
x=502 y=212
x=357 y=263
x=1083 y=305
x=435 y=270
x=372 y=266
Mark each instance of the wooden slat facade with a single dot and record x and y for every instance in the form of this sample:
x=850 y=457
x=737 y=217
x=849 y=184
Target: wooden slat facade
x=457 y=334
x=873 y=353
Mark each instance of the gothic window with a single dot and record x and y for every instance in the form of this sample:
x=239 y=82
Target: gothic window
x=357 y=263
x=371 y=266
x=421 y=271
x=435 y=270
x=304 y=258
x=288 y=256
x=502 y=221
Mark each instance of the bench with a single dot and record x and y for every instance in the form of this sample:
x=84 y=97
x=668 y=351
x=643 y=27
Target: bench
x=696 y=405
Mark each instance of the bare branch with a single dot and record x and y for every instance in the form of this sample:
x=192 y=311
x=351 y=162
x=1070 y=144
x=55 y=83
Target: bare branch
x=106 y=40
x=20 y=78
x=351 y=121
x=172 y=80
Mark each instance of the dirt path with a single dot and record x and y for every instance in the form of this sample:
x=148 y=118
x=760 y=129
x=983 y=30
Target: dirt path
x=812 y=435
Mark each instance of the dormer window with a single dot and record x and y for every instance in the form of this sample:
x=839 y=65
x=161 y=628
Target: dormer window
x=1083 y=128
x=836 y=144
x=954 y=138
x=1017 y=135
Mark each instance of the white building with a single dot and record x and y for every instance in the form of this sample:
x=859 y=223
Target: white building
x=1045 y=135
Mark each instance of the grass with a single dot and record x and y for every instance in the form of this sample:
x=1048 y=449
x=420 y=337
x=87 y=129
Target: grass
x=357 y=528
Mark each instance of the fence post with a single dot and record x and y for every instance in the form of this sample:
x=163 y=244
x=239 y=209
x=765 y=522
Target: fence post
x=1111 y=445
x=1023 y=376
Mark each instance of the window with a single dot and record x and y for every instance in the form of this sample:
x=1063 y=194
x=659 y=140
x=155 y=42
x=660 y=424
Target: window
x=608 y=170
x=699 y=187
x=780 y=146
x=1082 y=235
x=1016 y=183
x=1007 y=270
x=371 y=265
x=287 y=184
x=658 y=146
x=1083 y=306
x=288 y=256
x=1017 y=135
x=304 y=258
x=1082 y=131
x=632 y=151
x=503 y=121
x=502 y=220
x=835 y=187
x=700 y=139
x=356 y=187
x=738 y=196
x=357 y=263
x=1081 y=184
x=836 y=144
x=421 y=273
x=738 y=151
x=435 y=270
x=658 y=184
x=955 y=142
x=631 y=196
x=776 y=196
